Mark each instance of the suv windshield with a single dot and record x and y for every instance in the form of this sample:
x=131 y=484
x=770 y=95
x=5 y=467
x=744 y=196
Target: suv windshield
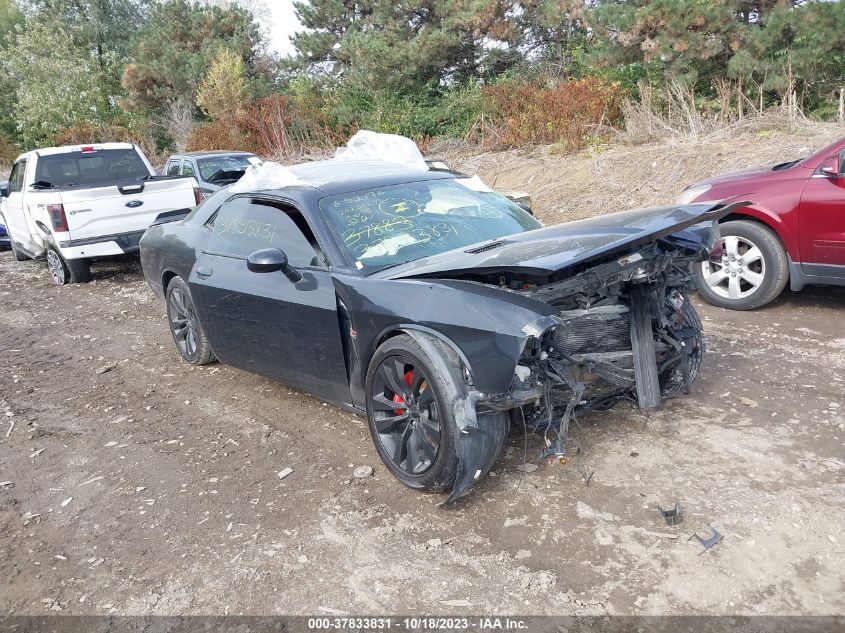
x=392 y=225
x=222 y=167
x=89 y=168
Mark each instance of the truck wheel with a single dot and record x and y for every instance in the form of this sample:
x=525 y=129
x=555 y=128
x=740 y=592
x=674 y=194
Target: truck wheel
x=752 y=272
x=67 y=271
x=16 y=252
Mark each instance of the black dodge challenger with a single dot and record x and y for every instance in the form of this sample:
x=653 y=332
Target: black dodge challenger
x=437 y=307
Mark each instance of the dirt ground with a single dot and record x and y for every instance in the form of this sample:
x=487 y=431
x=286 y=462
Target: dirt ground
x=142 y=485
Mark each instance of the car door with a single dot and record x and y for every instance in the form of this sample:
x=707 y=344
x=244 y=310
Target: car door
x=262 y=322
x=17 y=223
x=821 y=224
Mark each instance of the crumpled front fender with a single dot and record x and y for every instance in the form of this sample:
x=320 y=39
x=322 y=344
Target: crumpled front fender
x=478 y=449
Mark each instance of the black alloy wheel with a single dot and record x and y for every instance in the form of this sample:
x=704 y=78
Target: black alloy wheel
x=405 y=415
x=183 y=322
x=185 y=327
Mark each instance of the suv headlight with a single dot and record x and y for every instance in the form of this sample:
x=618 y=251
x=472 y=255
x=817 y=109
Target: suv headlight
x=690 y=195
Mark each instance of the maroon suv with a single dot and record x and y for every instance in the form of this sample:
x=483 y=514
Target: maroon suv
x=793 y=232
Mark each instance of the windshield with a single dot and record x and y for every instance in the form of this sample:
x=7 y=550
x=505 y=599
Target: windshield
x=221 y=167
x=392 y=225
x=88 y=168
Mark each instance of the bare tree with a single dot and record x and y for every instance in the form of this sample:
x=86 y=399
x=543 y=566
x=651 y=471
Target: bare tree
x=178 y=121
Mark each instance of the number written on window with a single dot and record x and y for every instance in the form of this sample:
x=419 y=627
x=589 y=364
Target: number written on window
x=243 y=226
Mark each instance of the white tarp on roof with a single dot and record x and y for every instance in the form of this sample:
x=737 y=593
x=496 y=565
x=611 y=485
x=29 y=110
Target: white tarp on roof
x=265 y=176
x=392 y=148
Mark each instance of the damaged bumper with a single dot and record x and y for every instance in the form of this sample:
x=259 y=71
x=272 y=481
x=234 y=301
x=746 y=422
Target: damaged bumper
x=624 y=331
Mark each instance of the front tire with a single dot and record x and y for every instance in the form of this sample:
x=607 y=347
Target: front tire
x=410 y=420
x=185 y=327
x=672 y=380
x=67 y=271
x=411 y=387
x=753 y=270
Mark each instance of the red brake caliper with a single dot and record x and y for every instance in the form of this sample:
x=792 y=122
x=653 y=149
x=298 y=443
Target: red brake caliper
x=396 y=397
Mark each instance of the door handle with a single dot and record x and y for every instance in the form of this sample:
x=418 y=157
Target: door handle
x=204 y=273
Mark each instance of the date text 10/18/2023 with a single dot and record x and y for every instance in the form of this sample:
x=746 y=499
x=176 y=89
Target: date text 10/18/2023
x=421 y=623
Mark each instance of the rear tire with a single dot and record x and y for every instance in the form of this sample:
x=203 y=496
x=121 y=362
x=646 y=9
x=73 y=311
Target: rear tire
x=752 y=272
x=187 y=331
x=67 y=271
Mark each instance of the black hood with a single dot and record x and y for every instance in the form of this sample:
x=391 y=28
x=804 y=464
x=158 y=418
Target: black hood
x=551 y=249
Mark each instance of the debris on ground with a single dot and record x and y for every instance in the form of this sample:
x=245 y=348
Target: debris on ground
x=284 y=473
x=645 y=532
x=331 y=611
x=673 y=516
x=456 y=603
x=362 y=472
x=106 y=368
x=748 y=402
x=527 y=467
x=709 y=542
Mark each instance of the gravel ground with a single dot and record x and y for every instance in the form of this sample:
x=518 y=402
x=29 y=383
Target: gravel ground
x=142 y=485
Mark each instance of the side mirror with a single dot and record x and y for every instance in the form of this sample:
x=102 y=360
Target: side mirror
x=271 y=260
x=831 y=167
x=4 y=189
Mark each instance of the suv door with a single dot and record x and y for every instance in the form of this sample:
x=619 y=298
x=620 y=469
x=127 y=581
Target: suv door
x=821 y=223
x=16 y=218
x=262 y=322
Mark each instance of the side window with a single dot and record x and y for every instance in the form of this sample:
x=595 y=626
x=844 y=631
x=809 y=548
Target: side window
x=243 y=226
x=187 y=168
x=173 y=167
x=17 y=175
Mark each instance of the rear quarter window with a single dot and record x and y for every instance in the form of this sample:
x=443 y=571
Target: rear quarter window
x=242 y=226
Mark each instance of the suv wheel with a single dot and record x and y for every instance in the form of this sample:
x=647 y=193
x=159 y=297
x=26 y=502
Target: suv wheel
x=751 y=272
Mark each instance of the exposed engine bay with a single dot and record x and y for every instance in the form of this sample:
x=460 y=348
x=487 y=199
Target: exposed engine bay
x=626 y=330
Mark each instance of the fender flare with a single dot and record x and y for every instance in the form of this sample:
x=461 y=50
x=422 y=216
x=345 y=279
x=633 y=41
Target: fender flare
x=771 y=221
x=413 y=330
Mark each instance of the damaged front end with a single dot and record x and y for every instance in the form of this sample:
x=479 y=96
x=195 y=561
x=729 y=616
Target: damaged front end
x=623 y=328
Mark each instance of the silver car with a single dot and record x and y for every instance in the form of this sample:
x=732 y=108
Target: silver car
x=212 y=169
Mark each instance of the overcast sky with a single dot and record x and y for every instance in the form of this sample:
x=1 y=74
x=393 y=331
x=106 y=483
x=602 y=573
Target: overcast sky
x=283 y=25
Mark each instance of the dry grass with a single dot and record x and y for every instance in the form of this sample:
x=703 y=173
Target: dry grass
x=617 y=175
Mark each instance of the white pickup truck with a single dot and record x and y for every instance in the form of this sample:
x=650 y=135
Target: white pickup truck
x=81 y=202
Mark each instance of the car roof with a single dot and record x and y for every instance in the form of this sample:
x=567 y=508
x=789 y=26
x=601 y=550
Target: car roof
x=215 y=152
x=334 y=176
